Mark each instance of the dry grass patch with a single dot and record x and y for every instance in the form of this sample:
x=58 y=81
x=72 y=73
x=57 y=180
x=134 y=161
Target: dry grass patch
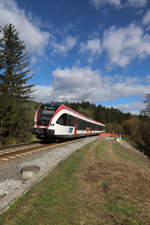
x=113 y=193
x=131 y=155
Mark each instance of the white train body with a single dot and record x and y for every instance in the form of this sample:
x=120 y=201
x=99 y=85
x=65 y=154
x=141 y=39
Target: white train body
x=61 y=121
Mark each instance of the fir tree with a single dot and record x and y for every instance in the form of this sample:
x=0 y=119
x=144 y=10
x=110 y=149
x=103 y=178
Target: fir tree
x=147 y=102
x=14 y=90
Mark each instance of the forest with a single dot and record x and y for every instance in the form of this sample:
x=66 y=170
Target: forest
x=17 y=108
x=134 y=128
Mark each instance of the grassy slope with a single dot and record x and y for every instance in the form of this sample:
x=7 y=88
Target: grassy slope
x=102 y=184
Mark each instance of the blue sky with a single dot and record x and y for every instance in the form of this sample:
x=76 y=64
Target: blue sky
x=85 y=50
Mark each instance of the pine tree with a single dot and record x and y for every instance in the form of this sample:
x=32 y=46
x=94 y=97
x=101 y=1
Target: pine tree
x=147 y=102
x=14 y=90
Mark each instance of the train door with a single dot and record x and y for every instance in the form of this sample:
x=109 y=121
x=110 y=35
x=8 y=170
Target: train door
x=75 y=126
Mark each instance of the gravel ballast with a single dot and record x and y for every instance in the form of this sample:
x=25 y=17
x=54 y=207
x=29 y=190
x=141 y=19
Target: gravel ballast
x=12 y=186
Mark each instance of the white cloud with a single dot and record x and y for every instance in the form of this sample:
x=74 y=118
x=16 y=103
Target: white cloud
x=137 y=3
x=33 y=60
x=93 y=46
x=64 y=46
x=126 y=44
x=99 y=3
x=119 y=3
x=148 y=78
x=122 y=45
x=35 y=39
x=134 y=108
x=74 y=84
x=42 y=93
x=84 y=84
x=146 y=18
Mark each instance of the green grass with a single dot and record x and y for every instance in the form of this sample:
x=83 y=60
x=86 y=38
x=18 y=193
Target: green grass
x=121 y=151
x=84 y=189
x=121 y=210
x=52 y=201
x=101 y=151
x=124 y=212
x=129 y=155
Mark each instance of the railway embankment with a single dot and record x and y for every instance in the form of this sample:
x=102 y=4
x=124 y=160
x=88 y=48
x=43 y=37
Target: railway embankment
x=12 y=182
x=103 y=183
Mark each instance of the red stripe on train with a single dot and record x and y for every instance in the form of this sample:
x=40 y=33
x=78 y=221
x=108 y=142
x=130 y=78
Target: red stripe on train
x=71 y=110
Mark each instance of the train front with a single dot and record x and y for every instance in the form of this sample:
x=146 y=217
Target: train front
x=42 y=127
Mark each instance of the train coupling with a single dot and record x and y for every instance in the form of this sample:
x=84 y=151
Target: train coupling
x=42 y=131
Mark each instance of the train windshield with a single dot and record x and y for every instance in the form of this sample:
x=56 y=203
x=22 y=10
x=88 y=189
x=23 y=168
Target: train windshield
x=46 y=112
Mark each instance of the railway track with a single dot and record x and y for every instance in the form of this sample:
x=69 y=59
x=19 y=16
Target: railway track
x=13 y=151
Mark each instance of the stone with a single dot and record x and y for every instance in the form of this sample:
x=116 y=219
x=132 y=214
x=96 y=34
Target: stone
x=29 y=171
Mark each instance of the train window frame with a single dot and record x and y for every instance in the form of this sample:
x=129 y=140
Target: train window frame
x=72 y=121
x=67 y=120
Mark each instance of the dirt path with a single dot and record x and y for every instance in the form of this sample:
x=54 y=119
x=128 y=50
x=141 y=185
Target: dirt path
x=112 y=154
x=115 y=183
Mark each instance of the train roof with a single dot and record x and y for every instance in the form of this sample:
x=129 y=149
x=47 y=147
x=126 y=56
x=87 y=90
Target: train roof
x=62 y=106
x=51 y=105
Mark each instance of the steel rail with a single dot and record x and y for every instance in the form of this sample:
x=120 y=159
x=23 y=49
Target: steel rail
x=17 y=145
x=20 y=152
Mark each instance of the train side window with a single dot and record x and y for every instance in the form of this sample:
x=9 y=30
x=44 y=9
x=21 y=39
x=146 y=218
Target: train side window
x=69 y=120
x=80 y=125
x=83 y=124
x=62 y=120
x=66 y=120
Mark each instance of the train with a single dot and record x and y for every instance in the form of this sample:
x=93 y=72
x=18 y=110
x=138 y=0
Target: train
x=60 y=121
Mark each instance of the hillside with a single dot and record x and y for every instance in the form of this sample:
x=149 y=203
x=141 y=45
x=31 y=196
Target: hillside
x=104 y=183
x=133 y=127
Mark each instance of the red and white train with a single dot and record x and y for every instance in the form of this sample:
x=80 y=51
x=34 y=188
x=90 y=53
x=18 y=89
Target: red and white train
x=60 y=121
